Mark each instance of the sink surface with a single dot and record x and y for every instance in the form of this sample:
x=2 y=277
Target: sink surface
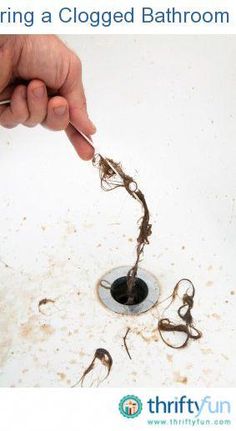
x=165 y=107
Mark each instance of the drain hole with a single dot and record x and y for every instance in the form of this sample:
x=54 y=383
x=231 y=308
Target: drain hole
x=120 y=294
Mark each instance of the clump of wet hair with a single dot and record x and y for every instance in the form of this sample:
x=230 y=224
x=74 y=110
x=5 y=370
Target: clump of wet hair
x=112 y=176
x=184 y=312
x=105 y=358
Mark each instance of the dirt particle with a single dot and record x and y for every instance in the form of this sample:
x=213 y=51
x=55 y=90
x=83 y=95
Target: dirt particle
x=169 y=358
x=70 y=228
x=206 y=351
x=224 y=356
x=216 y=316
x=61 y=376
x=47 y=329
x=26 y=330
x=189 y=366
x=209 y=283
x=149 y=336
x=180 y=379
x=232 y=292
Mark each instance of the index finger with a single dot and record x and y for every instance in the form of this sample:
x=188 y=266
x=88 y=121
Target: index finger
x=73 y=91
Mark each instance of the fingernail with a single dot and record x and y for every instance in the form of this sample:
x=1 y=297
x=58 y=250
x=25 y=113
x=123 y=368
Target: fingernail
x=60 y=110
x=39 y=91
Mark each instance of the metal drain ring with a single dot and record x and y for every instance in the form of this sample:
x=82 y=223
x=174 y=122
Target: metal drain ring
x=106 y=298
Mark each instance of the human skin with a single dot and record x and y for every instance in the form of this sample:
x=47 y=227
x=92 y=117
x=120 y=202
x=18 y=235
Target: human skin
x=43 y=78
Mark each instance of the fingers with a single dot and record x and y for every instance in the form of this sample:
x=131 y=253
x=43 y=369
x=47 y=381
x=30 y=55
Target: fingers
x=30 y=106
x=57 y=114
x=17 y=112
x=37 y=100
x=82 y=147
x=73 y=91
x=6 y=64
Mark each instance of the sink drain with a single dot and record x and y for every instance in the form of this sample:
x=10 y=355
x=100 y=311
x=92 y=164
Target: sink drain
x=112 y=291
x=119 y=291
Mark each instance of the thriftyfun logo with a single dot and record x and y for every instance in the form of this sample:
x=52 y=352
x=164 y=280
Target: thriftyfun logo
x=130 y=406
x=187 y=405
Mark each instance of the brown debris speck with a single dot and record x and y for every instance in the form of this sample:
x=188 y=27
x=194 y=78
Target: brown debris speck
x=180 y=379
x=62 y=376
x=47 y=329
x=169 y=358
x=216 y=316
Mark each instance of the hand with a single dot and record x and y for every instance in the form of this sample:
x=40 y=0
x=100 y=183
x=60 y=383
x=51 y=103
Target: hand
x=33 y=67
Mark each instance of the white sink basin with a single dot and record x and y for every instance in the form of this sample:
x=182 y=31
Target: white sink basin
x=165 y=107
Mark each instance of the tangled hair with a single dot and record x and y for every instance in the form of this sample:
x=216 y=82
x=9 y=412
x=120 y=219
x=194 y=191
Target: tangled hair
x=112 y=176
x=106 y=360
x=184 y=313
